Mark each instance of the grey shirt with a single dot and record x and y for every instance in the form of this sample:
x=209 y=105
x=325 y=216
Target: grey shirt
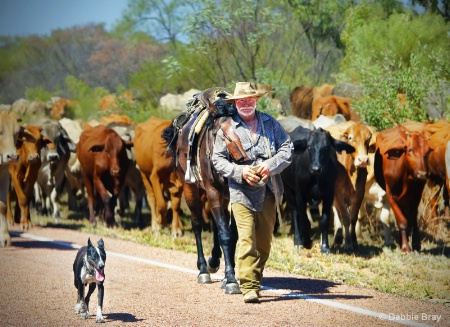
x=280 y=146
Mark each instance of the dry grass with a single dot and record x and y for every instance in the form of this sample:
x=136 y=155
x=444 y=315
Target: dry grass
x=423 y=275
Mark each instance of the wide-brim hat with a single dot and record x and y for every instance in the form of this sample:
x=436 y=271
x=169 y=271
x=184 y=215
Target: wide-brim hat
x=244 y=90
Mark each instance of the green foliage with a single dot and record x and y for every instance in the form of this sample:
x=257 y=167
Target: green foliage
x=234 y=40
x=380 y=105
x=136 y=111
x=38 y=93
x=149 y=82
x=400 y=53
x=86 y=99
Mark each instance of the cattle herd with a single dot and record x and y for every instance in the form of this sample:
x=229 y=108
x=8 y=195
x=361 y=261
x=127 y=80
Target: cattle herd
x=339 y=164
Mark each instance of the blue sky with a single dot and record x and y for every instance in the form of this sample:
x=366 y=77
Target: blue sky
x=41 y=17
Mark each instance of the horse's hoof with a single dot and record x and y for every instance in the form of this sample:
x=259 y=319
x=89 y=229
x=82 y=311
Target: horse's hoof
x=204 y=279
x=232 y=288
x=308 y=244
x=212 y=270
x=325 y=250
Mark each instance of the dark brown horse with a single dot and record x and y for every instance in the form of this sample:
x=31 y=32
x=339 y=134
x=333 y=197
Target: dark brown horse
x=192 y=145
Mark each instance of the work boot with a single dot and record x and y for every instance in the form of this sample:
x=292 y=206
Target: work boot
x=251 y=297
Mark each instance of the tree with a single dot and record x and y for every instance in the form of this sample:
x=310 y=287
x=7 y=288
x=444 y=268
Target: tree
x=161 y=19
x=322 y=23
x=86 y=52
x=399 y=54
x=441 y=7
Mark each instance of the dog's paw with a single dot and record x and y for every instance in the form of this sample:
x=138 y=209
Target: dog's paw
x=80 y=307
x=99 y=318
x=84 y=315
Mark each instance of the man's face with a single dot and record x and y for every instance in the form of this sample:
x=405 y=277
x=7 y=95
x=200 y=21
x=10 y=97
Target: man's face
x=246 y=107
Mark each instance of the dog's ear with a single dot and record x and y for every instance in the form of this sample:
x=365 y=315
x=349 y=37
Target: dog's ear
x=89 y=242
x=100 y=244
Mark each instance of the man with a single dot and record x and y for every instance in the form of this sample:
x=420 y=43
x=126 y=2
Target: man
x=255 y=185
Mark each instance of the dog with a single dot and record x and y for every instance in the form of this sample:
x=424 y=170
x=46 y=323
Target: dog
x=89 y=268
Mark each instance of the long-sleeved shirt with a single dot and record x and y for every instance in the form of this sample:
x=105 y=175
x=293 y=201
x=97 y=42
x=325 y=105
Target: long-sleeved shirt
x=280 y=147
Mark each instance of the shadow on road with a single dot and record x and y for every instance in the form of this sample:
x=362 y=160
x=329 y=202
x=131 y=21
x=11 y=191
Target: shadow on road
x=25 y=243
x=123 y=317
x=304 y=288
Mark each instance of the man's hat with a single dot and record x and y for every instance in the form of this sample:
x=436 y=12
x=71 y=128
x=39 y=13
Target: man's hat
x=244 y=90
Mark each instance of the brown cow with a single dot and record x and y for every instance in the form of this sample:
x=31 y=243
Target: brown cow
x=24 y=174
x=358 y=136
x=331 y=105
x=157 y=172
x=114 y=118
x=438 y=134
x=400 y=169
x=104 y=164
x=301 y=99
x=59 y=107
x=10 y=132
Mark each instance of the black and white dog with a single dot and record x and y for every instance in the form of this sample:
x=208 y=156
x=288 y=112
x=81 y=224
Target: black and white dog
x=88 y=268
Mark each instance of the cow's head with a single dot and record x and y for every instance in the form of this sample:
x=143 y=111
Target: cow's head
x=321 y=147
x=53 y=131
x=359 y=136
x=410 y=147
x=416 y=150
x=30 y=147
x=116 y=150
x=10 y=133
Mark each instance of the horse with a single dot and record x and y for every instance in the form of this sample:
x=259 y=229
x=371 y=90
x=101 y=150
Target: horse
x=191 y=139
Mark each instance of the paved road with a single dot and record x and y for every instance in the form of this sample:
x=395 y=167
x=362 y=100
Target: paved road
x=147 y=286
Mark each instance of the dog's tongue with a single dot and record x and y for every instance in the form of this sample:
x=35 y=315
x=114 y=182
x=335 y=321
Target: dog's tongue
x=99 y=276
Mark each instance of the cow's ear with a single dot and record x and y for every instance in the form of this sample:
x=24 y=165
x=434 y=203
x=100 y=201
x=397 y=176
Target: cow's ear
x=97 y=148
x=48 y=142
x=395 y=153
x=72 y=146
x=26 y=135
x=343 y=146
x=300 y=146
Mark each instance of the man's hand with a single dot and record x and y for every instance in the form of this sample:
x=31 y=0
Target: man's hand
x=255 y=174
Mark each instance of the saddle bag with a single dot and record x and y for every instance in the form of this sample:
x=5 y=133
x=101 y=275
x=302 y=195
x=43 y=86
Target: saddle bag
x=233 y=143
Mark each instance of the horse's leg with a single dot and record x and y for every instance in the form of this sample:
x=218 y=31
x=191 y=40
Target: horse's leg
x=226 y=239
x=216 y=252
x=191 y=194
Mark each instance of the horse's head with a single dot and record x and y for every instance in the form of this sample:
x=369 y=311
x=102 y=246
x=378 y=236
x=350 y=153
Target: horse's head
x=212 y=98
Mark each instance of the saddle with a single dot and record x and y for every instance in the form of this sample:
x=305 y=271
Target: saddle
x=201 y=109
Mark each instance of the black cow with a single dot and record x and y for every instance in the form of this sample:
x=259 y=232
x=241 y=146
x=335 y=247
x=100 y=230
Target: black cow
x=310 y=178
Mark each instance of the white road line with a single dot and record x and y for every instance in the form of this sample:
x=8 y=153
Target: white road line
x=383 y=316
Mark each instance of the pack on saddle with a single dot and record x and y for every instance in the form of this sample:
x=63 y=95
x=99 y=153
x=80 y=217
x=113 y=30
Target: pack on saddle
x=203 y=110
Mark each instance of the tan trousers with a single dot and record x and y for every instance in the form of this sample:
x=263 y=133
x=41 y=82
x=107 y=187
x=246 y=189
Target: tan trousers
x=255 y=230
